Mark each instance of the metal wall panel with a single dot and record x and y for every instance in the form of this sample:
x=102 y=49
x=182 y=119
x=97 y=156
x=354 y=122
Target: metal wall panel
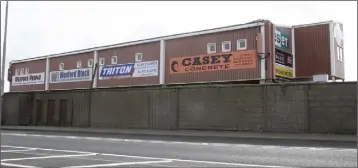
x=38 y=66
x=312 y=45
x=70 y=62
x=197 y=45
x=150 y=52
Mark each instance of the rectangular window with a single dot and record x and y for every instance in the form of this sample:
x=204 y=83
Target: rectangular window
x=79 y=64
x=114 y=60
x=138 y=57
x=26 y=71
x=340 y=54
x=16 y=72
x=241 y=44
x=22 y=71
x=211 y=48
x=226 y=46
x=61 y=66
x=101 y=61
x=90 y=63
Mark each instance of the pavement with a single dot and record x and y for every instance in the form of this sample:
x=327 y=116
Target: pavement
x=293 y=139
x=31 y=149
x=193 y=133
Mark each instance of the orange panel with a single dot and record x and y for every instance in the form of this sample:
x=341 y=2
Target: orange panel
x=214 y=62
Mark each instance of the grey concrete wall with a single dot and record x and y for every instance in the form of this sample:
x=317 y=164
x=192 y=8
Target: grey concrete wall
x=286 y=108
x=333 y=110
x=227 y=108
x=10 y=111
x=121 y=108
x=318 y=108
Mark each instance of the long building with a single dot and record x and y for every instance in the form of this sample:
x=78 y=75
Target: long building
x=255 y=52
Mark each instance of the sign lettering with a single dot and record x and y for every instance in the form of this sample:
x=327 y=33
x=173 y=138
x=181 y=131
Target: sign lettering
x=117 y=70
x=73 y=75
x=140 y=69
x=281 y=40
x=214 y=62
x=283 y=72
x=283 y=58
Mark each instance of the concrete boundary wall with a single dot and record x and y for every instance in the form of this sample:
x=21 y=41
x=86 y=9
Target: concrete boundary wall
x=290 y=108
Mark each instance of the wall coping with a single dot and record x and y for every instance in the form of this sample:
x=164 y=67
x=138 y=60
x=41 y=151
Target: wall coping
x=185 y=86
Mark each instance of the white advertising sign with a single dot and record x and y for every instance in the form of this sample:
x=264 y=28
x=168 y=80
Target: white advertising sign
x=73 y=75
x=277 y=37
x=145 y=69
x=29 y=79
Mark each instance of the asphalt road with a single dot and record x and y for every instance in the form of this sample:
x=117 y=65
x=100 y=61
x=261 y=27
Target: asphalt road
x=61 y=150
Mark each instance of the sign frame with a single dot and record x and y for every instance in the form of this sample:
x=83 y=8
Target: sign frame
x=74 y=72
x=39 y=82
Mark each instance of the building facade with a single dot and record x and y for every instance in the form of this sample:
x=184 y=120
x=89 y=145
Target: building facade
x=255 y=52
x=320 y=50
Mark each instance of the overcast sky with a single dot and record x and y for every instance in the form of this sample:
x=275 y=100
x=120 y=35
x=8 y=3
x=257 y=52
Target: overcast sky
x=41 y=28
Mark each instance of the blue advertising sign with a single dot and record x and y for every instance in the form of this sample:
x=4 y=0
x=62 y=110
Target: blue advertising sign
x=122 y=70
x=73 y=75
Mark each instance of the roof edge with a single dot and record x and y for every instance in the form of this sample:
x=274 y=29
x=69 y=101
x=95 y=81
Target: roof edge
x=315 y=24
x=281 y=25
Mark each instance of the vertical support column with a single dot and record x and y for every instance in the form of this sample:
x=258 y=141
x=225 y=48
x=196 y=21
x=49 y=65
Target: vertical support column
x=332 y=51
x=293 y=52
x=273 y=54
x=47 y=74
x=162 y=63
x=95 y=61
x=263 y=59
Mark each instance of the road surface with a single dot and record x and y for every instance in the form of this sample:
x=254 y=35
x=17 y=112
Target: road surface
x=51 y=149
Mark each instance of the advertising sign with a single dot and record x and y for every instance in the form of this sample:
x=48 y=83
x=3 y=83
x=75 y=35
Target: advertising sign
x=283 y=72
x=281 y=40
x=29 y=79
x=144 y=69
x=284 y=65
x=73 y=75
x=140 y=69
x=214 y=62
x=283 y=58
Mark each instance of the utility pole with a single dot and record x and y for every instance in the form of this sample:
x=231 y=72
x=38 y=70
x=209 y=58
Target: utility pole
x=2 y=83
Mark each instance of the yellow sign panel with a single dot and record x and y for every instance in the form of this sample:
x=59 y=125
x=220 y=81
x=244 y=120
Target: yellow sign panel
x=284 y=72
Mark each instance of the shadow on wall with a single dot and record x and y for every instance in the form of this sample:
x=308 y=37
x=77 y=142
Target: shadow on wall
x=290 y=108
